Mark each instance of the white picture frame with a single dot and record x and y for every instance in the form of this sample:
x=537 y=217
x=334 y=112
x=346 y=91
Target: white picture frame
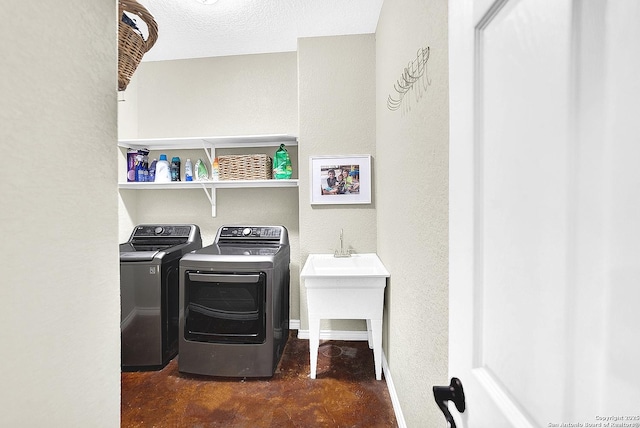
x=338 y=189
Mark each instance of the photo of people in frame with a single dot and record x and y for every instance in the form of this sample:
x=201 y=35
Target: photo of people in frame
x=339 y=179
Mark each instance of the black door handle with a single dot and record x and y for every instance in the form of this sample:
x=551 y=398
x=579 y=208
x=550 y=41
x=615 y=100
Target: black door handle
x=453 y=392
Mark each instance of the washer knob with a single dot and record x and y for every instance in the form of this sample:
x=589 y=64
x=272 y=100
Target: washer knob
x=158 y=230
x=246 y=231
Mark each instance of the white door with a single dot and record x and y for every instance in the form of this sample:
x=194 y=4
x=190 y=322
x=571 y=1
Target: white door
x=545 y=212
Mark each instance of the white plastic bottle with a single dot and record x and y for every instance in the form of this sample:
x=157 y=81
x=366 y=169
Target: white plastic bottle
x=188 y=171
x=163 y=170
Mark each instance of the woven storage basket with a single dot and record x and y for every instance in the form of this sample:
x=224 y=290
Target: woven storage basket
x=244 y=167
x=131 y=45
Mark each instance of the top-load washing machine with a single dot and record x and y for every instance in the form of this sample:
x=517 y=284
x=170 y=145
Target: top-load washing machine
x=234 y=303
x=149 y=290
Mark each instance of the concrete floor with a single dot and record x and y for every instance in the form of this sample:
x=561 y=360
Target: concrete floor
x=345 y=393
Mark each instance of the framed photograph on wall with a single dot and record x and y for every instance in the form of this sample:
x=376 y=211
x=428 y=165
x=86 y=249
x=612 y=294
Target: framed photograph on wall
x=340 y=179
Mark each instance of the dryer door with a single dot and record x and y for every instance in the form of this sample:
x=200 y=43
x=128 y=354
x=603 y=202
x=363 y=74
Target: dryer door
x=223 y=307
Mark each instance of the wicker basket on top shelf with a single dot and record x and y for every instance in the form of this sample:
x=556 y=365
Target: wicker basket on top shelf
x=131 y=44
x=244 y=167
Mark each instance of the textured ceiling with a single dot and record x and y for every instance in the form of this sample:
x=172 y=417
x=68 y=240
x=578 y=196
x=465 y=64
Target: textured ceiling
x=189 y=29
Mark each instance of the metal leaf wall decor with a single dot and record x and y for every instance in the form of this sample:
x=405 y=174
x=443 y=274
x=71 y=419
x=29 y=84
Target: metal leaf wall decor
x=414 y=76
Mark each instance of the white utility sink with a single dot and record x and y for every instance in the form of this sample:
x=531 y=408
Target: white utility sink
x=345 y=288
x=329 y=266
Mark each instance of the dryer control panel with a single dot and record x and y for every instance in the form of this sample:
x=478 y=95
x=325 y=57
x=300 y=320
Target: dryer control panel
x=266 y=234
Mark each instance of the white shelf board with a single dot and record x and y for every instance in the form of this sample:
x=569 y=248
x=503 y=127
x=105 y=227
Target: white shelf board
x=170 y=185
x=235 y=184
x=187 y=143
x=223 y=184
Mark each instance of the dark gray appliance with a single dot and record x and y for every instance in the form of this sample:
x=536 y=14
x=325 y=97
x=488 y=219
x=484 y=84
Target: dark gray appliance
x=149 y=292
x=234 y=303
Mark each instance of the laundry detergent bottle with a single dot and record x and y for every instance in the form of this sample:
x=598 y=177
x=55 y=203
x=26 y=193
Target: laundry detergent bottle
x=163 y=170
x=175 y=168
x=152 y=170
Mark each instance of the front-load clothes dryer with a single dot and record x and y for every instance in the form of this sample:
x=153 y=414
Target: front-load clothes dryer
x=149 y=293
x=234 y=303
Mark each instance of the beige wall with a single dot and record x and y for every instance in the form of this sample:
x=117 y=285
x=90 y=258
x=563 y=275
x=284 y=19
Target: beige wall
x=59 y=288
x=336 y=96
x=412 y=147
x=234 y=95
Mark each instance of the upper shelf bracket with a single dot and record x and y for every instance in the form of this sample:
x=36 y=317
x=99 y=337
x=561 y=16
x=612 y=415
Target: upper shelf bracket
x=210 y=191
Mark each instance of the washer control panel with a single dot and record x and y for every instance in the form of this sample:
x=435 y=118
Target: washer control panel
x=161 y=231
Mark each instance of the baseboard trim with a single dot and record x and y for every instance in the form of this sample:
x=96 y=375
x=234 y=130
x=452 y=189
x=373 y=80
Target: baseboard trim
x=358 y=335
x=294 y=324
x=336 y=335
x=395 y=401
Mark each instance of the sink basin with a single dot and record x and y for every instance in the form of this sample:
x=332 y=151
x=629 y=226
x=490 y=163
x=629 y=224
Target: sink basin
x=358 y=265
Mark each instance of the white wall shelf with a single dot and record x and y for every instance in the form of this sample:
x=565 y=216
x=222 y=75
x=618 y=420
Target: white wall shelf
x=228 y=142
x=222 y=184
x=209 y=145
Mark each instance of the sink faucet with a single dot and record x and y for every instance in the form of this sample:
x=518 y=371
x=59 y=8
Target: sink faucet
x=342 y=252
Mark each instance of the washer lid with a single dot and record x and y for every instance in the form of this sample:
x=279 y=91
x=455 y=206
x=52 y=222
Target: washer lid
x=138 y=256
x=160 y=241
